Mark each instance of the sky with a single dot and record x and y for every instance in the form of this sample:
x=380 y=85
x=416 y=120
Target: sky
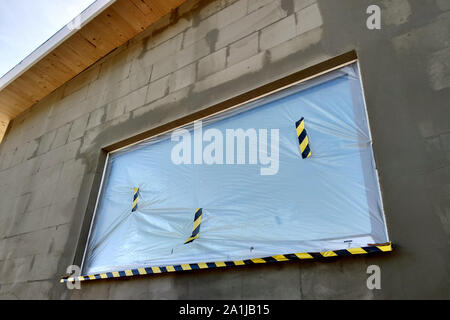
x=26 y=24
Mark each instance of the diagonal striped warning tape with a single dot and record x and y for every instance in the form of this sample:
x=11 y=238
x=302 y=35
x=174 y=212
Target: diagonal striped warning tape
x=135 y=200
x=195 y=266
x=196 y=226
x=303 y=138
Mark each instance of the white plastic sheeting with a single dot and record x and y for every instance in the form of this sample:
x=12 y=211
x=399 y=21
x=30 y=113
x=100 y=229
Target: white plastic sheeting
x=327 y=202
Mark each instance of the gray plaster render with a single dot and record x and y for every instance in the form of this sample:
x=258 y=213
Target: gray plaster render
x=206 y=52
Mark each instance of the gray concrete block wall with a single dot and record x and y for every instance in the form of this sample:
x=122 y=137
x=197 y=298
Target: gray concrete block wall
x=201 y=54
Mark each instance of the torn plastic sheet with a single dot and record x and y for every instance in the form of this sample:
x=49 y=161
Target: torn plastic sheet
x=329 y=201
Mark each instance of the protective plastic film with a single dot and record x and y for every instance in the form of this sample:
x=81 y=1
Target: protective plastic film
x=257 y=196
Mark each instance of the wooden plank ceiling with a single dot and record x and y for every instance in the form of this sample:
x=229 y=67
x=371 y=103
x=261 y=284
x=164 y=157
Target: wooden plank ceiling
x=123 y=20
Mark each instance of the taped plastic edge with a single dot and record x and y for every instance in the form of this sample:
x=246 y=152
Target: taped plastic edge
x=379 y=248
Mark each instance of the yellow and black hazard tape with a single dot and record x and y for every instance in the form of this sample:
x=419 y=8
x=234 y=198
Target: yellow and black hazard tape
x=303 y=140
x=196 y=226
x=195 y=266
x=135 y=199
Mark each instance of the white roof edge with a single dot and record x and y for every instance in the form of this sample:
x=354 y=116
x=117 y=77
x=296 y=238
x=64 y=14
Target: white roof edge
x=59 y=37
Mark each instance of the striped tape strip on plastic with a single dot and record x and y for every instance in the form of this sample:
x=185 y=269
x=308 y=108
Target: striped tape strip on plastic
x=196 y=226
x=303 y=138
x=194 y=266
x=135 y=199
